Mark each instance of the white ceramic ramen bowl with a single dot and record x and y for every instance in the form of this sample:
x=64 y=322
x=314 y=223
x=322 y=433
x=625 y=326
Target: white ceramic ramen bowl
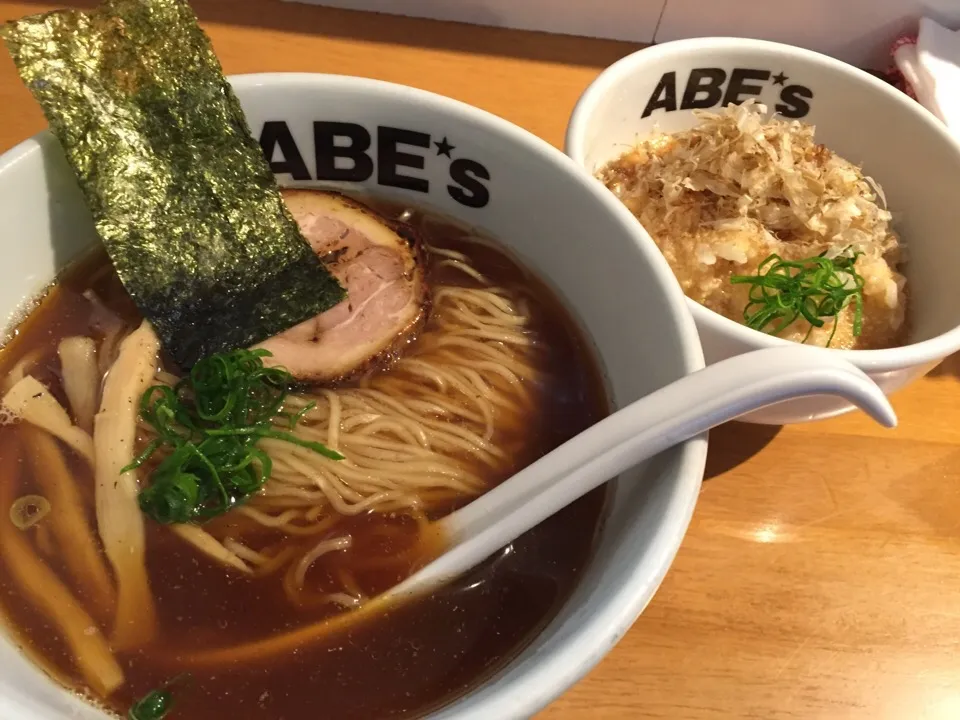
x=868 y=122
x=521 y=191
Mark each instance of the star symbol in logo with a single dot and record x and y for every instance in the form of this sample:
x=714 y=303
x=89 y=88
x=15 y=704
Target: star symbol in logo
x=779 y=78
x=444 y=147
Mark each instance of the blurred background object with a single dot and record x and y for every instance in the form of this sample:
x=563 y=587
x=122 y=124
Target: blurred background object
x=929 y=63
x=856 y=31
x=630 y=20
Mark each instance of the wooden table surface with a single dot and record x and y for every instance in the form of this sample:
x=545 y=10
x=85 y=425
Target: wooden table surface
x=820 y=577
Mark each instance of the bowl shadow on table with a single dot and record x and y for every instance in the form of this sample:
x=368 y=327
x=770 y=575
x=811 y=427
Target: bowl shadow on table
x=733 y=443
x=299 y=18
x=949 y=368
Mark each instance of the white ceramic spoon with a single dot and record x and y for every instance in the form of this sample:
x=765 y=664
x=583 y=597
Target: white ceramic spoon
x=681 y=410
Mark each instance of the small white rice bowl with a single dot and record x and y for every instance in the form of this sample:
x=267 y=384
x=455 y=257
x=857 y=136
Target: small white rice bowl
x=907 y=151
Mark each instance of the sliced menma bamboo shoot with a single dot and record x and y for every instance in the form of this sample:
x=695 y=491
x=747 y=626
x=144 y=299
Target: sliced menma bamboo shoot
x=89 y=648
x=30 y=400
x=69 y=523
x=81 y=378
x=210 y=546
x=119 y=519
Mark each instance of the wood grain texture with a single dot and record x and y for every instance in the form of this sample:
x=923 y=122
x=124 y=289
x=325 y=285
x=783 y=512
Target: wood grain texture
x=821 y=574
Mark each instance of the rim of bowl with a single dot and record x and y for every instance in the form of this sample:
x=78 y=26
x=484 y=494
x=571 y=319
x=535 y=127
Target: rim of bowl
x=590 y=640
x=876 y=361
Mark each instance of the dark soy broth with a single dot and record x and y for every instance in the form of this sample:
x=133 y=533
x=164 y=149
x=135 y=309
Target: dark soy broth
x=405 y=662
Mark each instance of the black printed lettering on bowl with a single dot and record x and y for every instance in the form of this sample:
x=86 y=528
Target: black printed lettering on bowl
x=712 y=87
x=346 y=152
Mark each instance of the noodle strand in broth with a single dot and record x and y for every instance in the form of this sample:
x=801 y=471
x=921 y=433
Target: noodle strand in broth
x=419 y=453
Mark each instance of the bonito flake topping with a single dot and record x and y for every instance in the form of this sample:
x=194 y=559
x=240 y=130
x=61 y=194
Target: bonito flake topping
x=721 y=197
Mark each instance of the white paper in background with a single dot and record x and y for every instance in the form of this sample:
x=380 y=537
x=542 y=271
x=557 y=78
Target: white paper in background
x=631 y=20
x=932 y=67
x=855 y=31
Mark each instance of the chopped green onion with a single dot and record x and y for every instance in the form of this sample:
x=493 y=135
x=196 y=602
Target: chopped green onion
x=209 y=424
x=815 y=289
x=156 y=704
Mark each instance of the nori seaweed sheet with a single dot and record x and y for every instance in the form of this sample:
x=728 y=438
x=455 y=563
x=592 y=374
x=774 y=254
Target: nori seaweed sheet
x=180 y=191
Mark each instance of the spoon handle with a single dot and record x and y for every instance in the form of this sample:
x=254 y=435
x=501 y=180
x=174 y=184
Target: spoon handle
x=675 y=413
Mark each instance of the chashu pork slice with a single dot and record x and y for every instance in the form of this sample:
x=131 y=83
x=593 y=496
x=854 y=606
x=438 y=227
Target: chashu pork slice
x=380 y=265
